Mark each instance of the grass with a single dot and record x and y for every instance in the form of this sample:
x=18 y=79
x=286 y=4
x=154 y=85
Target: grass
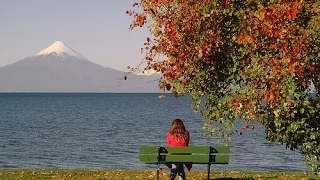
x=78 y=174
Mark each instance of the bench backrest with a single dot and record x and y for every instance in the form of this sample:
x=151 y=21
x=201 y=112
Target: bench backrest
x=189 y=154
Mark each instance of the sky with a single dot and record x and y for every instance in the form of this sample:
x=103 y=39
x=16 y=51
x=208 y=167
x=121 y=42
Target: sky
x=97 y=29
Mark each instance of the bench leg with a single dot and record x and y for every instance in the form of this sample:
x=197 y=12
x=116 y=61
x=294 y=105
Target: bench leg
x=158 y=171
x=208 y=171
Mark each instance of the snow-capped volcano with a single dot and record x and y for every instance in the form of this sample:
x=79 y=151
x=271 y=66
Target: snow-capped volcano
x=59 y=68
x=61 y=49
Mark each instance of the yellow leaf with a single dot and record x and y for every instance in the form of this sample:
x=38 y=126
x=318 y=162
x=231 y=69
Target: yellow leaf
x=276 y=112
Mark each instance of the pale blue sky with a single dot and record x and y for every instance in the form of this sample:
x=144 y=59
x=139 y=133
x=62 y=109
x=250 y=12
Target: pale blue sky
x=97 y=29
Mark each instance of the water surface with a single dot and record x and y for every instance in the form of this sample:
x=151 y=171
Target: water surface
x=104 y=131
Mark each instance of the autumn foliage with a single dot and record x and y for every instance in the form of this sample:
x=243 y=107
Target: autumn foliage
x=253 y=59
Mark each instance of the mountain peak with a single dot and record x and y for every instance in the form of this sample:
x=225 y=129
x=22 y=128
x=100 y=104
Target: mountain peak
x=59 y=48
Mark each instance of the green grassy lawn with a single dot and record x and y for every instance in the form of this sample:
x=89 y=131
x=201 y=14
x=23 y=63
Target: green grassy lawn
x=42 y=174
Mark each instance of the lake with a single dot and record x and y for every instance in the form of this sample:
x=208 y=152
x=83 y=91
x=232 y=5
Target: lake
x=104 y=131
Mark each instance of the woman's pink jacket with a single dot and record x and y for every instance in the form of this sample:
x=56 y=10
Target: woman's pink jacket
x=171 y=140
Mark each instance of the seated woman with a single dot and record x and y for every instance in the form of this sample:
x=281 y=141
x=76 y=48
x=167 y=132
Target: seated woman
x=178 y=136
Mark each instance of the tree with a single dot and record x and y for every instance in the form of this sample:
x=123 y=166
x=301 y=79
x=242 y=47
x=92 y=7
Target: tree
x=253 y=59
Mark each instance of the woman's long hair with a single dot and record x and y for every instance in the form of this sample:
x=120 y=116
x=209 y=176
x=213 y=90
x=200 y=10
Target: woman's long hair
x=178 y=131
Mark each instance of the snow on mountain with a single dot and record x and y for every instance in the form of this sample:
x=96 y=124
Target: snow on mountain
x=61 y=49
x=148 y=72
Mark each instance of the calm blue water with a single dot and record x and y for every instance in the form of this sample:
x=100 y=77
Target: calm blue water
x=104 y=131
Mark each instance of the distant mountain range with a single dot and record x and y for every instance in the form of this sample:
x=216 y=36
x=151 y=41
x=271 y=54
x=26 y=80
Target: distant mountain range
x=59 y=68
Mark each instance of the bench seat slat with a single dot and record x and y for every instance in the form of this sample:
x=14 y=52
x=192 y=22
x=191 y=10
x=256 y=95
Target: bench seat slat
x=197 y=159
x=188 y=149
x=220 y=159
x=187 y=158
x=220 y=149
x=148 y=159
x=149 y=149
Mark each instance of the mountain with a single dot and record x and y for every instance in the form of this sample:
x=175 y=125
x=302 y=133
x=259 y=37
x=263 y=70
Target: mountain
x=59 y=68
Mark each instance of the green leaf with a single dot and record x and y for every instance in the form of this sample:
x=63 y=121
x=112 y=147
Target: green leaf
x=301 y=110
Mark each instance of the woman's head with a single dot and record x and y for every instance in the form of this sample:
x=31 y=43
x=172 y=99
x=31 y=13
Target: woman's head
x=177 y=123
x=178 y=130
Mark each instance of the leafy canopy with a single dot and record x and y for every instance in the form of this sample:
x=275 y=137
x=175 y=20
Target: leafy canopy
x=253 y=59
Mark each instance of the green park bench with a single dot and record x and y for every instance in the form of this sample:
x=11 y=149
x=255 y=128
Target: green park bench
x=190 y=154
